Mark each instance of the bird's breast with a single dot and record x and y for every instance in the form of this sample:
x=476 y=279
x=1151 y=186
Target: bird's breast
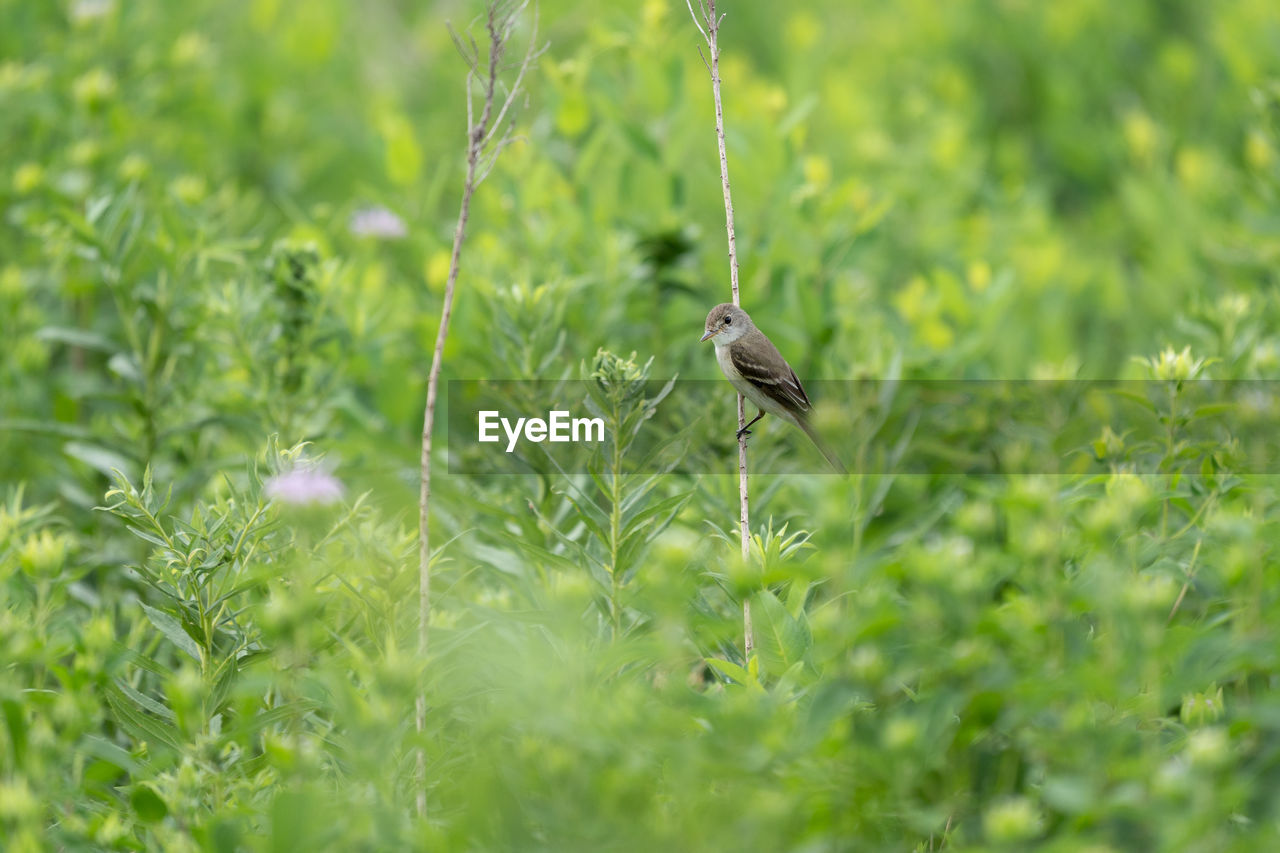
x=744 y=387
x=726 y=365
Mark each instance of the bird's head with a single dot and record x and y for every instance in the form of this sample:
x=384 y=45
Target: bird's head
x=726 y=323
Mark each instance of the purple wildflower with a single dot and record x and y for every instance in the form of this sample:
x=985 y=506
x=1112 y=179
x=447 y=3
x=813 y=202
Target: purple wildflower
x=88 y=10
x=377 y=222
x=304 y=486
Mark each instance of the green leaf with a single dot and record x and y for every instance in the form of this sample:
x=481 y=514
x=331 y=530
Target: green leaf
x=831 y=700
x=671 y=505
x=797 y=114
x=45 y=428
x=273 y=716
x=1210 y=410
x=790 y=680
x=105 y=461
x=641 y=141
x=140 y=725
x=148 y=536
x=144 y=702
x=15 y=721
x=404 y=156
x=224 y=678
x=140 y=660
x=796 y=597
x=105 y=750
x=735 y=672
x=76 y=338
x=1133 y=397
x=125 y=366
x=172 y=629
x=249 y=584
x=586 y=516
x=148 y=805
x=781 y=639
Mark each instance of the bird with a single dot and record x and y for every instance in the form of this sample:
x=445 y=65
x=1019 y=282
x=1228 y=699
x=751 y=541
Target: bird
x=753 y=365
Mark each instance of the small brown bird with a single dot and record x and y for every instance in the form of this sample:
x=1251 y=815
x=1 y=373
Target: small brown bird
x=753 y=365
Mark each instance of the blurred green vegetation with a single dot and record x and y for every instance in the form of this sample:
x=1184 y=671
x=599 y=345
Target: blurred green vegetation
x=992 y=189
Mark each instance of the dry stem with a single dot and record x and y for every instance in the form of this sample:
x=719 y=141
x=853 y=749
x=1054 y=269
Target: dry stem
x=709 y=26
x=486 y=139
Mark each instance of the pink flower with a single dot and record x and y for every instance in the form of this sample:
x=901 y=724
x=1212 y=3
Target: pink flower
x=377 y=222
x=304 y=486
x=88 y=10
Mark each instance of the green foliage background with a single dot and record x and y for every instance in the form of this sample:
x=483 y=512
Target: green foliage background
x=996 y=188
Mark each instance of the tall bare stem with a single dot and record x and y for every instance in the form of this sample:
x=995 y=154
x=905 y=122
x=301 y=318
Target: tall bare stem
x=487 y=136
x=708 y=23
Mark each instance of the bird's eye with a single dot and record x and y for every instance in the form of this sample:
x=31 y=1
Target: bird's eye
x=728 y=320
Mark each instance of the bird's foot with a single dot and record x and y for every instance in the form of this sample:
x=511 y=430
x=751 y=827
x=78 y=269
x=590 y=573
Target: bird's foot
x=742 y=432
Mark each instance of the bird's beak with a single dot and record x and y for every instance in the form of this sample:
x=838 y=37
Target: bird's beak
x=708 y=334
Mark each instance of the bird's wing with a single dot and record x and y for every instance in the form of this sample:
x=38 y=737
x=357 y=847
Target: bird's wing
x=760 y=363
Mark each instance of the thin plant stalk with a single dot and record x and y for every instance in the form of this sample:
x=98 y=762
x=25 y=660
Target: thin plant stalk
x=486 y=138
x=615 y=534
x=709 y=26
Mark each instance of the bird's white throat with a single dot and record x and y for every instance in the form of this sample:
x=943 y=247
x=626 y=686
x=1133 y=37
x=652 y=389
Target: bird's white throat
x=728 y=335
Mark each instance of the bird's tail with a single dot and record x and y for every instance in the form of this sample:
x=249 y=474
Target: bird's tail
x=822 y=446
